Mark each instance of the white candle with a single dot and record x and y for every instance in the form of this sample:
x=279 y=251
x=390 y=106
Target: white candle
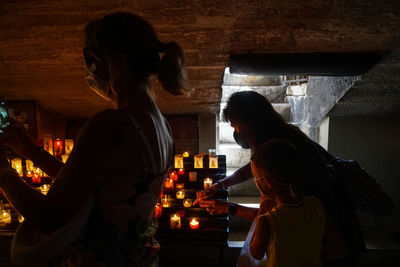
x=192 y=176
x=180 y=195
x=6 y=216
x=175 y=221
x=207 y=182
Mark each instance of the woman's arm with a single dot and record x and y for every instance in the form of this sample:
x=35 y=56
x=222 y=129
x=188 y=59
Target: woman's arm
x=17 y=138
x=90 y=161
x=216 y=207
x=260 y=239
x=241 y=175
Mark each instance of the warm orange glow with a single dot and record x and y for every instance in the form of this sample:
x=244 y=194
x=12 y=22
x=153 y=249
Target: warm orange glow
x=158 y=211
x=58 y=147
x=185 y=154
x=194 y=223
x=180 y=185
x=181 y=171
x=169 y=183
x=174 y=176
x=180 y=195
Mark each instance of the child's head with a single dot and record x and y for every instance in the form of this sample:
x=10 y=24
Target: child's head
x=276 y=166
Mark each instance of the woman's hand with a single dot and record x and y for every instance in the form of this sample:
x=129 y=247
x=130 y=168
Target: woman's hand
x=17 y=138
x=207 y=193
x=215 y=207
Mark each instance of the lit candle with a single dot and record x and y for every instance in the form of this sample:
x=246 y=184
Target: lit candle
x=194 y=223
x=198 y=161
x=178 y=161
x=207 y=182
x=158 y=211
x=174 y=176
x=21 y=218
x=17 y=165
x=175 y=221
x=192 y=176
x=58 y=147
x=69 y=145
x=185 y=154
x=36 y=176
x=64 y=157
x=180 y=195
x=6 y=216
x=29 y=166
x=180 y=186
x=169 y=183
x=166 y=201
x=187 y=203
x=213 y=162
x=44 y=188
x=181 y=171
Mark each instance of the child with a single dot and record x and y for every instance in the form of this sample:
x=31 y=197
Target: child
x=292 y=232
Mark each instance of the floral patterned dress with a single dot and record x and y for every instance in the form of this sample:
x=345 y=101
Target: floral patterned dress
x=121 y=228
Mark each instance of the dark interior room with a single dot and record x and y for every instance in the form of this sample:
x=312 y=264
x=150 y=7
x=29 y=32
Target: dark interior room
x=329 y=68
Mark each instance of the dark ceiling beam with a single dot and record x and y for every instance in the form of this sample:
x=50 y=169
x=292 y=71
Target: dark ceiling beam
x=313 y=64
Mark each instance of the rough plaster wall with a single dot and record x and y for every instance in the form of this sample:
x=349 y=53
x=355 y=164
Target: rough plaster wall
x=321 y=96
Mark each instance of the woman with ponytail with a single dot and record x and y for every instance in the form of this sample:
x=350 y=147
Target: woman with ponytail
x=105 y=194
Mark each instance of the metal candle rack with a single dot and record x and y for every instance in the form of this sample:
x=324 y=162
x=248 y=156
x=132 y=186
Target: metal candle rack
x=213 y=229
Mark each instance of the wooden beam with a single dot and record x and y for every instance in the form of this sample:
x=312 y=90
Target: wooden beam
x=314 y=64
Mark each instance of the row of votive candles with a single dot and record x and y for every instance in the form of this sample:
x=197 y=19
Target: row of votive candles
x=169 y=183
x=175 y=222
x=31 y=170
x=198 y=161
x=167 y=199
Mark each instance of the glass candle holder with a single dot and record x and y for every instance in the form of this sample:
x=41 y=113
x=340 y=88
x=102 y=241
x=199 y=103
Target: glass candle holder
x=69 y=145
x=187 y=203
x=178 y=161
x=16 y=164
x=180 y=185
x=6 y=216
x=194 y=223
x=174 y=176
x=175 y=221
x=44 y=188
x=29 y=166
x=158 y=210
x=207 y=182
x=64 y=157
x=198 y=161
x=48 y=143
x=180 y=195
x=58 y=147
x=185 y=154
x=20 y=218
x=169 y=184
x=181 y=171
x=213 y=162
x=166 y=201
x=192 y=176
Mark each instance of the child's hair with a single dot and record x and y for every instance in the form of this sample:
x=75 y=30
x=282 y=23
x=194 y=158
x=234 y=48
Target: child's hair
x=132 y=36
x=279 y=159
